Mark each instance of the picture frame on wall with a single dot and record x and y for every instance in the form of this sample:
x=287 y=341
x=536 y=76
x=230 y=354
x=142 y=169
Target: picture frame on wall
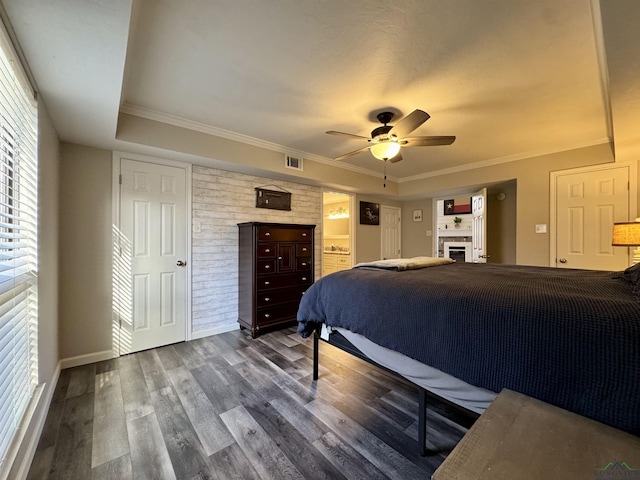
x=457 y=206
x=417 y=215
x=369 y=213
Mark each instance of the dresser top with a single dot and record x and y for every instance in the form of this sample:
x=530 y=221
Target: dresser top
x=270 y=224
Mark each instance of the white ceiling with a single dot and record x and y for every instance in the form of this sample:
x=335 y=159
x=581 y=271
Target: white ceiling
x=510 y=78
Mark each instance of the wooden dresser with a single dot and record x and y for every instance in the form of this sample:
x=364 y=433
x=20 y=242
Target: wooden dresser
x=275 y=268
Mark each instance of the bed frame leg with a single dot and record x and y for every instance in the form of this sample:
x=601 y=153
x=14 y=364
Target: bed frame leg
x=315 y=356
x=422 y=421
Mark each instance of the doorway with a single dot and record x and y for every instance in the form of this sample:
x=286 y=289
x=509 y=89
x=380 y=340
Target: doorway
x=390 y=232
x=151 y=289
x=337 y=231
x=585 y=203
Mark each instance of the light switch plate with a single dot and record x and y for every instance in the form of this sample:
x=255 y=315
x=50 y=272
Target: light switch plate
x=541 y=228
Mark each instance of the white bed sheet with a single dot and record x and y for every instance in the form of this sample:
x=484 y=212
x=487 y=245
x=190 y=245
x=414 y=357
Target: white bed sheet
x=436 y=381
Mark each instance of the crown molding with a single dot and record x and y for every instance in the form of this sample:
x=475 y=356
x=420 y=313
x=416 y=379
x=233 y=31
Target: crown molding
x=499 y=161
x=174 y=120
x=181 y=122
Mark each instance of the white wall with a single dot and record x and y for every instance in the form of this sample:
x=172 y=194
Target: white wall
x=221 y=200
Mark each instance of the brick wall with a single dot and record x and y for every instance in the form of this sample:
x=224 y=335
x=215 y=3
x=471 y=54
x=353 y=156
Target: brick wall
x=221 y=200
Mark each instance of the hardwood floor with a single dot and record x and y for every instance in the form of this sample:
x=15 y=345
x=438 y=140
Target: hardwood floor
x=227 y=407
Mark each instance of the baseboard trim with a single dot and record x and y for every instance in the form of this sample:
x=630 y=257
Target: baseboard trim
x=214 y=331
x=85 y=359
x=20 y=468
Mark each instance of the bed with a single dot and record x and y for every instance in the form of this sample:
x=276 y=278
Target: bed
x=570 y=338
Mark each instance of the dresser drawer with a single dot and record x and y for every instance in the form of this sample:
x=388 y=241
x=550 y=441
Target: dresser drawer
x=266 y=250
x=267 y=282
x=279 y=234
x=266 y=266
x=303 y=264
x=277 y=313
x=277 y=297
x=303 y=249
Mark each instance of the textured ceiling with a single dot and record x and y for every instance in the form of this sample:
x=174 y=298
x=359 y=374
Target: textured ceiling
x=509 y=78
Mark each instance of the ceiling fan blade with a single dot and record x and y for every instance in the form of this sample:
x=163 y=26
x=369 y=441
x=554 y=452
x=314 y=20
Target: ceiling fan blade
x=348 y=135
x=355 y=152
x=397 y=158
x=409 y=123
x=427 y=141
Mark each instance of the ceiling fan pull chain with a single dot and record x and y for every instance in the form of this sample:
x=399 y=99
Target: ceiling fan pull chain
x=384 y=185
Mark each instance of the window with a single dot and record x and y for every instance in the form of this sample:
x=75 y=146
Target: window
x=18 y=251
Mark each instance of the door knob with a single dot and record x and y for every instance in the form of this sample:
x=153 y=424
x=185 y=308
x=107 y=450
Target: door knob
x=180 y=263
x=563 y=260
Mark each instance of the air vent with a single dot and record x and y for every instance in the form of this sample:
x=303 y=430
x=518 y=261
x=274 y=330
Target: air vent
x=293 y=162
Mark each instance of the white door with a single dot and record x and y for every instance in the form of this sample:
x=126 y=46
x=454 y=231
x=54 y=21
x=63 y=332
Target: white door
x=587 y=205
x=153 y=212
x=479 y=226
x=390 y=230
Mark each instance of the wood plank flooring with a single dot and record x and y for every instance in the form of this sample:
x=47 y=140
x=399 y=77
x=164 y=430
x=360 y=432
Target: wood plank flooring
x=228 y=407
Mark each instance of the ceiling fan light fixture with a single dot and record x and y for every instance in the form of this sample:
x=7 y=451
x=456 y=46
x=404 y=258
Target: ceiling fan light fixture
x=385 y=150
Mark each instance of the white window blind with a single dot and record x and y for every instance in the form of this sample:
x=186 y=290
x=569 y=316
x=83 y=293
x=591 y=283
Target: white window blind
x=18 y=250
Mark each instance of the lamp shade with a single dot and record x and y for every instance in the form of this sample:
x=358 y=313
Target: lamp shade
x=385 y=150
x=626 y=234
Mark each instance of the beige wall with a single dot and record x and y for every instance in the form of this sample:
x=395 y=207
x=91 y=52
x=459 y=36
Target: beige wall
x=415 y=241
x=532 y=176
x=48 y=213
x=220 y=152
x=220 y=200
x=85 y=251
x=368 y=237
x=501 y=223
x=85 y=231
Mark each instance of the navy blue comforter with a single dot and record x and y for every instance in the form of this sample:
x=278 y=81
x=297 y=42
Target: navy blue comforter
x=567 y=337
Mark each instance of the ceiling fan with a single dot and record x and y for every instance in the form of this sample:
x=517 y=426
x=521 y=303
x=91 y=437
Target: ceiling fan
x=386 y=141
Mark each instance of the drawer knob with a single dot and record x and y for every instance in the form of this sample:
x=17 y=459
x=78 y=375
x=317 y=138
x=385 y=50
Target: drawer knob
x=266 y=299
x=304 y=264
x=267 y=250
x=304 y=249
x=267 y=283
x=304 y=279
x=266 y=315
x=267 y=234
x=267 y=267
x=304 y=234
x=279 y=258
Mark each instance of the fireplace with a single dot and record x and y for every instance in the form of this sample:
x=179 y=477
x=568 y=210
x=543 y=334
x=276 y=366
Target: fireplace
x=459 y=251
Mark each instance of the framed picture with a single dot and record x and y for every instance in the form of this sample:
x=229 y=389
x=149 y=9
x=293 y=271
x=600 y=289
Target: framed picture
x=456 y=206
x=369 y=213
x=417 y=215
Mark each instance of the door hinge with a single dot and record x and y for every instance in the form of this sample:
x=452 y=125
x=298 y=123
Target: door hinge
x=120 y=179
